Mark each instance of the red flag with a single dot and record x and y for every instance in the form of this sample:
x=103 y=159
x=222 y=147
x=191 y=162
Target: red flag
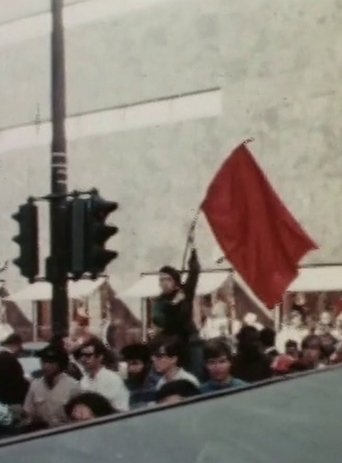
x=255 y=230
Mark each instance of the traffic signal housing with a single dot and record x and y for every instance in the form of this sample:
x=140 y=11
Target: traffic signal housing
x=27 y=239
x=97 y=234
x=88 y=233
x=76 y=223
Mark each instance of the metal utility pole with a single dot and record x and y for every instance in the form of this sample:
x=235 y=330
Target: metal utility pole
x=57 y=265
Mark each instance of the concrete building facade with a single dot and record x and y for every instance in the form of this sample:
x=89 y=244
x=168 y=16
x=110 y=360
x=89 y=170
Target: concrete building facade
x=158 y=93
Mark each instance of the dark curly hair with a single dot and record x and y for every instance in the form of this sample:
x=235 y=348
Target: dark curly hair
x=98 y=404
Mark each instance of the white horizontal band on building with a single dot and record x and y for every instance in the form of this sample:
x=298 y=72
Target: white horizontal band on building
x=164 y=112
x=74 y=15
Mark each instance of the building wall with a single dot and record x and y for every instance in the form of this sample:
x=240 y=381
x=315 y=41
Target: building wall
x=158 y=92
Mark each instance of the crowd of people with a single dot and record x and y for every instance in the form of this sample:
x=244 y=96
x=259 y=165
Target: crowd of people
x=83 y=381
x=88 y=382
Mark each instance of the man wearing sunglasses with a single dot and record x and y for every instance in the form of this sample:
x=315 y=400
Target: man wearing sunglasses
x=98 y=378
x=167 y=360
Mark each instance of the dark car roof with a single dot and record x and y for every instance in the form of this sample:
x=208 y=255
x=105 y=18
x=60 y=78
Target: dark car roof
x=294 y=420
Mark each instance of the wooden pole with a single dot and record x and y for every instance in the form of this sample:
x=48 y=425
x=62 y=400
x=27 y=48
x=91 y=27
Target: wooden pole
x=190 y=239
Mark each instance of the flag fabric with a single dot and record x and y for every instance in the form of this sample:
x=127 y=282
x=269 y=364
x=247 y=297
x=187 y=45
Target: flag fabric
x=255 y=230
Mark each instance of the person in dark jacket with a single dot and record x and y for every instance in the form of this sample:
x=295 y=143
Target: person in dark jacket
x=172 y=312
x=267 y=339
x=141 y=381
x=13 y=385
x=250 y=364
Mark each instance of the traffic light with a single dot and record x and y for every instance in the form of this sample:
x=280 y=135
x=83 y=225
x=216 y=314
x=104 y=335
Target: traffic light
x=76 y=223
x=28 y=260
x=97 y=233
x=87 y=235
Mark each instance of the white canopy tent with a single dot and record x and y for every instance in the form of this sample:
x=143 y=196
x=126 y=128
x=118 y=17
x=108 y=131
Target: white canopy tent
x=209 y=281
x=42 y=290
x=310 y=279
x=323 y=278
x=148 y=284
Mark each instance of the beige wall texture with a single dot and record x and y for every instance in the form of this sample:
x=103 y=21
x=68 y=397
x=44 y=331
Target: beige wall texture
x=158 y=93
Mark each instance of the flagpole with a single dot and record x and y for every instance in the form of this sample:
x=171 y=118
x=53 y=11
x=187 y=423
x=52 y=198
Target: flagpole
x=248 y=140
x=190 y=237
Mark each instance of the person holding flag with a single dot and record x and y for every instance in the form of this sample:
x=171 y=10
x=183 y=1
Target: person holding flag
x=257 y=234
x=172 y=313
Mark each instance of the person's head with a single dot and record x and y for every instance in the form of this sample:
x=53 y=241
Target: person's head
x=296 y=319
x=111 y=360
x=325 y=318
x=291 y=349
x=138 y=358
x=176 y=391
x=54 y=361
x=91 y=355
x=218 y=359
x=312 y=350
x=311 y=323
x=169 y=280
x=167 y=354
x=61 y=341
x=87 y=406
x=250 y=319
x=267 y=337
x=13 y=343
x=328 y=343
x=282 y=364
x=248 y=340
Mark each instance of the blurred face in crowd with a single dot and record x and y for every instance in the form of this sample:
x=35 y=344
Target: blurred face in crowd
x=163 y=363
x=328 y=344
x=167 y=283
x=90 y=361
x=310 y=323
x=50 y=369
x=135 y=367
x=292 y=351
x=81 y=412
x=69 y=344
x=219 y=368
x=312 y=353
x=326 y=318
x=296 y=320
